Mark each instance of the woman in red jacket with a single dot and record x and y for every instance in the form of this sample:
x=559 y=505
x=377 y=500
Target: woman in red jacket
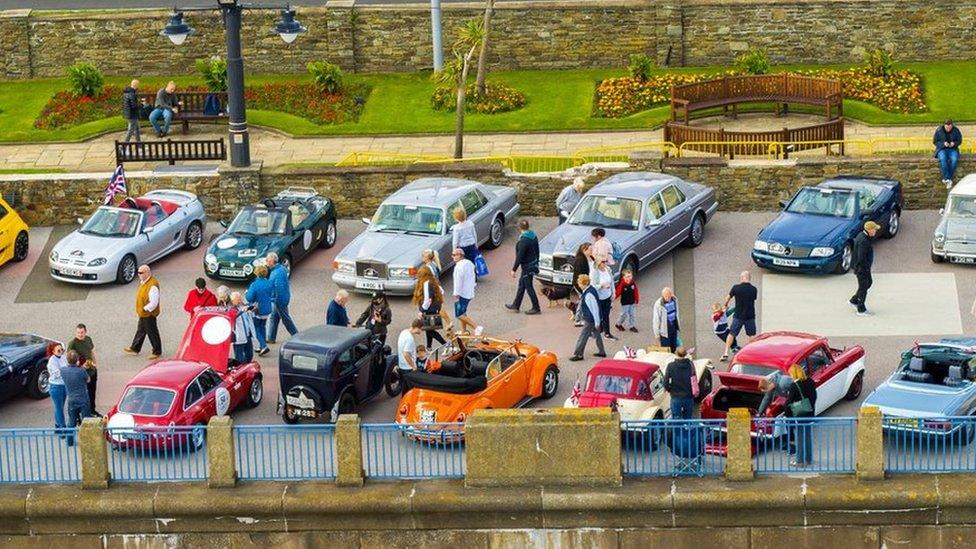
x=199 y=297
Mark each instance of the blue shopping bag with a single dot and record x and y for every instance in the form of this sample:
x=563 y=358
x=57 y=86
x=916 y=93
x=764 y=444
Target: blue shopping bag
x=480 y=266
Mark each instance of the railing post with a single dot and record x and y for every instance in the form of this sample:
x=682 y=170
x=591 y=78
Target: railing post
x=221 y=457
x=738 y=460
x=870 y=444
x=349 y=451
x=93 y=452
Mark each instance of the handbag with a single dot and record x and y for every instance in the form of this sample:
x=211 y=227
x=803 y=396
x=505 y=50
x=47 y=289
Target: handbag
x=694 y=384
x=480 y=265
x=432 y=322
x=802 y=407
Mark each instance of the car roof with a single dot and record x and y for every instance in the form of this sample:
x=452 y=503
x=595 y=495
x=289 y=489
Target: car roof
x=638 y=185
x=433 y=191
x=965 y=187
x=847 y=182
x=630 y=368
x=328 y=337
x=168 y=374
x=778 y=349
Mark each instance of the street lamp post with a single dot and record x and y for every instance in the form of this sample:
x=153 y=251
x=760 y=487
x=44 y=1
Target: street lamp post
x=287 y=28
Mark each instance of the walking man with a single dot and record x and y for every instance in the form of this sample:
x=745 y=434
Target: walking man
x=166 y=106
x=83 y=345
x=147 y=309
x=745 y=295
x=861 y=264
x=282 y=296
x=947 y=139
x=131 y=109
x=589 y=314
x=678 y=382
x=75 y=386
x=464 y=283
x=568 y=199
x=527 y=259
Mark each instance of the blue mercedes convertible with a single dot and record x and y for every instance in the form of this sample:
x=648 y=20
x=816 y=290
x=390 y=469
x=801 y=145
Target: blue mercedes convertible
x=815 y=230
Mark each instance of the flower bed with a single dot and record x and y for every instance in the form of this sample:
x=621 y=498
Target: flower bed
x=496 y=99
x=66 y=109
x=304 y=100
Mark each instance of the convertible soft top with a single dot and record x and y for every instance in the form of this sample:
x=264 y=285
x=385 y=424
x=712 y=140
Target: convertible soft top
x=444 y=384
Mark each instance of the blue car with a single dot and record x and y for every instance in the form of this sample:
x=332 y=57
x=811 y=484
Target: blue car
x=23 y=366
x=930 y=391
x=815 y=230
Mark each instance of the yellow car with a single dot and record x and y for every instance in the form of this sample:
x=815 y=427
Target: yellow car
x=13 y=234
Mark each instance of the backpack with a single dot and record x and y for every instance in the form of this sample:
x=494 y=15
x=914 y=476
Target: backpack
x=211 y=105
x=616 y=252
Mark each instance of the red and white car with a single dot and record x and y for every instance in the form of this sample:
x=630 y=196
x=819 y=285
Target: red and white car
x=837 y=373
x=170 y=401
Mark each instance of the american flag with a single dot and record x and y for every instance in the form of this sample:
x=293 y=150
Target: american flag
x=577 y=392
x=116 y=185
x=630 y=352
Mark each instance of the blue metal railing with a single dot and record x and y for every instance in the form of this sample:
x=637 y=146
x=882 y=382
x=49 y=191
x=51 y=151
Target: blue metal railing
x=39 y=456
x=929 y=445
x=285 y=452
x=672 y=448
x=395 y=451
x=805 y=445
x=158 y=454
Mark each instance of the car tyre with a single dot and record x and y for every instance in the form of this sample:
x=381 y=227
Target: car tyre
x=857 y=385
x=255 y=393
x=392 y=380
x=38 y=386
x=496 y=233
x=127 y=270
x=331 y=234
x=21 y=246
x=550 y=382
x=846 y=257
x=696 y=233
x=704 y=386
x=893 y=223
x=194 y=236
x=936 y=258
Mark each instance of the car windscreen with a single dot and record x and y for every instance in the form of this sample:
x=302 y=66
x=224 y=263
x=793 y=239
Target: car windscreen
x=146 y=401
x=818 y=201
x=961 y=206
x=408 y=219
x=752 y=369
x=259 y=221
x=608 y=212
x=112 y=222
x=607 y=383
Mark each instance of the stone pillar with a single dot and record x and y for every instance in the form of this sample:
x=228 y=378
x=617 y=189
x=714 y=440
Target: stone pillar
x=870 y=444
x=669 y=34
x=15 y=47
x=93 y=451
x=738 y=462
x=543 y=447
x=349 y=451
x=221 y=457
x=341 y=33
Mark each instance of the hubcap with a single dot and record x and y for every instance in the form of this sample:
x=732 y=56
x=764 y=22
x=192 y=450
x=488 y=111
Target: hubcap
x=846 y=259
x=196 y=235
x=551 y=382
x=330 y=234
x=43 y=382
x=256 y=390
x=198 y=436
x=129 y=269
x=496 y=232
x=893 y=223
x=696 y=231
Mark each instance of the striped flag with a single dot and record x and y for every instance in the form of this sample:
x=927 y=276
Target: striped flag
x=116 y=185
x=577 y=392
x=630 y=352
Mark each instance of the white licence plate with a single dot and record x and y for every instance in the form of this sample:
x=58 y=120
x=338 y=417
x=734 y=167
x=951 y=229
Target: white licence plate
x=232 y=272
x=369 y=285
x=962 y=259
x=71 y=272
x=428 y=416
x=786 y=262
x=562 y=278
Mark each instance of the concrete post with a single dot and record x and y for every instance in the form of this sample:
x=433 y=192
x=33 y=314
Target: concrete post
x=738 y=461
x=870 y=444
x=221 y=458
x=93 y=451
x=349 y=451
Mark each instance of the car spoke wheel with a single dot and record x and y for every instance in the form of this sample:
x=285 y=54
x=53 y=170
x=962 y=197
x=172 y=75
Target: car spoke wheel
x=857 y=385
x=550 y=382
x=127 y=270
x=194 y=236
x=330 y=235
x=255 y=393
x=697 y=232
x=39 y=385
x=846 y=257
x=393 y=382
x=21 y=246
x=496 y=233
x=894 y=221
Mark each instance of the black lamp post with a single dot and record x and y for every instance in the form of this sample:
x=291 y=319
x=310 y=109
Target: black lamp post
x=287 y=28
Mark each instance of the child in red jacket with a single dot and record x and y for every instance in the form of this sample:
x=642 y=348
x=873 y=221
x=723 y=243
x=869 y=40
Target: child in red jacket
x=629 y=298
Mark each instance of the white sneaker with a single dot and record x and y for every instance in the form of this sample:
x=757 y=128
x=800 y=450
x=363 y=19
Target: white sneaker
x=948 y=183
x=864 y=313
x=479 y=331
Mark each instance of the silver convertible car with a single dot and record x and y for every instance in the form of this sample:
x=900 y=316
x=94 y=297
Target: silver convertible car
x=416 y=217
x=117 y=239
x=645 y=215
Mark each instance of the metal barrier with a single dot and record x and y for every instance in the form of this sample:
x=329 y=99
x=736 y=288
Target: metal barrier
x=621 y=153
x=929 y=445
x=39 y=456
x=385 y=159
x=160 y=454
x=807 y=445
x=430 y=450
x=279 y=452
x=671 y=448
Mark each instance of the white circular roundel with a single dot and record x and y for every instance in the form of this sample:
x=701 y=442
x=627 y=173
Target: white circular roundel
x=307 y=239
x=225 y=243
x=223 y=401
x=216 y=330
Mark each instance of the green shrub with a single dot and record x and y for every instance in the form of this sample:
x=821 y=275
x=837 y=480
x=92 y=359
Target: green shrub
x=86 y=80
x=880 y=62
x=327 y=76
x=640 y=67
x=214 y=73
x=754 y=61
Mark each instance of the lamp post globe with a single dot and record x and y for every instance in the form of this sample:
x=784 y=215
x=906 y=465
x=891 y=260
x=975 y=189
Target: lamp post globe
x=288 y=29
x=176 y=30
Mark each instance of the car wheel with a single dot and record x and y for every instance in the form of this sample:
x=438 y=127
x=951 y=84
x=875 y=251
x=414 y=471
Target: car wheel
x=329 y=239
x=496 y=233
x=39 y=385
x=936 y=258
x=857 y=385
x=21 y=246
x=286 y=263
x=288 y=416
x=194 y=236
x=346 y=405
x=696 y=234
x=550 y=382
x=704 y=385
x=894 y=222
x=255 y=393
x=846 y=256
x=392 y=382
x=127 y=270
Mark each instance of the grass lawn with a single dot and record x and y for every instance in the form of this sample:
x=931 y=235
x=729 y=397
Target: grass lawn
x=555 y=101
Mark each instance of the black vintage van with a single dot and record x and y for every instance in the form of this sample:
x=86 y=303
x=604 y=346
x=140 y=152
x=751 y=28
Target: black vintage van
x=329 y=370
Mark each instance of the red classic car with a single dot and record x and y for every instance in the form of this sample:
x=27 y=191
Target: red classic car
x=170 y=401
x=837 y=373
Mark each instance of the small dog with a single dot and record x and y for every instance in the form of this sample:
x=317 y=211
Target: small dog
x=556 y=294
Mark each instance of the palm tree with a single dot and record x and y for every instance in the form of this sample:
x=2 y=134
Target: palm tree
x=470 y=38
x=483 y=55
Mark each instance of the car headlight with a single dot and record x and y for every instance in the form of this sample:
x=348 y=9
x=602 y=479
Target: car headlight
x=248 y=268
x=402 y=272
x=822 y=251
x=940 y=237
x=344 y=266
x=97 y=262
x=761 y=246
x=545 y=261
x=54 y=255
x=210 y=258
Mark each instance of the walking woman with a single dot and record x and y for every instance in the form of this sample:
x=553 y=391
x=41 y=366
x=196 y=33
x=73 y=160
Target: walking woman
x=261 y=294
x=429 y=298
x=665 y=320
x=581 y=266
x=801 y=402
x=464 y=235
x=56 y=361
x=376 y=317
x=602 y=280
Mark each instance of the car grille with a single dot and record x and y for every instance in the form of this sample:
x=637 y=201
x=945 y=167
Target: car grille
x=563 y=263
x=371 y=269
x=960 y=247
x=790 y=251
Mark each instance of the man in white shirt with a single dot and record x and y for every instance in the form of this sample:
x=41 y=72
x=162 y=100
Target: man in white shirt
x=464 y=283
x=147 y=309
x=407 y=346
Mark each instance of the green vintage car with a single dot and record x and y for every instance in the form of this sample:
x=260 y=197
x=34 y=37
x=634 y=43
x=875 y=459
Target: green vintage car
x=291 y=224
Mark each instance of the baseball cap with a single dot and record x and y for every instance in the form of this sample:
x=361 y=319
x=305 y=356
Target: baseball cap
x=871 y=226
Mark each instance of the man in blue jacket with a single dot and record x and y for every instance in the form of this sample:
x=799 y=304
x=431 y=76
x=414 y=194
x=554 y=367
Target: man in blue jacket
x=589 y=314
x=282 y=296
x=947 y=139
x=337 y=314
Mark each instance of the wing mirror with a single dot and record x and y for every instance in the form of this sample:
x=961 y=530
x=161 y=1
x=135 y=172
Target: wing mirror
x=941 y=211
x=782 y=203
x=365 y=220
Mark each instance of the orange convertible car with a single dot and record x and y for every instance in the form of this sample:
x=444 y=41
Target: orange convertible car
x=468 y=373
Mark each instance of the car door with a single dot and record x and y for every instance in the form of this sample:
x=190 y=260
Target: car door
x=515 y=377
x=196 y=408
x=172 y=226
x=660 y=397
x=474 y=205
x=653 y=238
x=678 y=216
x=301 y=221
x=10 y=383
x=362 y=370
x=827 y=375
x=343 y=372
x=445 y=245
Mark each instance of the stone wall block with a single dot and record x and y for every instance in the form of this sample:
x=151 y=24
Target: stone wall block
x=738 y=462
x=221 y=457
x=349 y=451
x=93 y=453
x=870 y=444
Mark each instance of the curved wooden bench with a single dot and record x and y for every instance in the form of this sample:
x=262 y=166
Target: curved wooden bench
x=780 y=89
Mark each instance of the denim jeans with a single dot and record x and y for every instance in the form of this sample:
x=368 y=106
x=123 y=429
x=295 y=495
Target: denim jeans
x=802 y=441
x=588 y=330
x=525 y=287
x=58 y=395
x=948 y=158
x=133 y=130
x=682 y=407
x=280 y=313
x=260 y=331
x=628 y=316
x=165 y=114
x=77 y=411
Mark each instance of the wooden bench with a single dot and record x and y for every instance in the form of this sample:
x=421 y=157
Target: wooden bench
x=169 y=151
x=192 y=108
x=780 y=89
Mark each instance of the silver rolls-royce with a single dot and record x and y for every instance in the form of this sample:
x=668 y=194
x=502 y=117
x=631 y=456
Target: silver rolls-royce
x=417 y=217
x=644 y=214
